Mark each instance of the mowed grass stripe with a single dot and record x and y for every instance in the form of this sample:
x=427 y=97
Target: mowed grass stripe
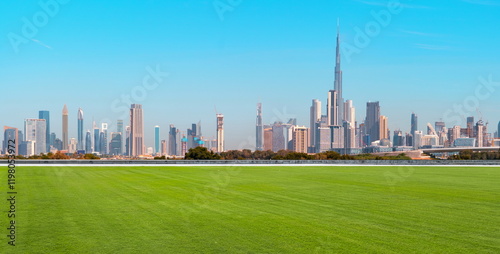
x=257 y=210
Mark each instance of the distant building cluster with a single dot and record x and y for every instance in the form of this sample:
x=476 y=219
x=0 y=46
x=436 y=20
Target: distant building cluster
x=338 y=130
x=335 y=130
x=124 y=141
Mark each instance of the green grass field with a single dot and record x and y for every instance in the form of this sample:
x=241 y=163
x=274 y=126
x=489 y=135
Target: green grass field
x=255 y=210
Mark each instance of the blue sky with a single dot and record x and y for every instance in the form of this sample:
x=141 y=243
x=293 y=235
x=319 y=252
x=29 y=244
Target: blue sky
x=428 y=58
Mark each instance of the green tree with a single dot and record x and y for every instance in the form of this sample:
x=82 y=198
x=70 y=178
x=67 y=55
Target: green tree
x=201 y=153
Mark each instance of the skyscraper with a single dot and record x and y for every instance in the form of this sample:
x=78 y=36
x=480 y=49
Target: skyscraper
x=35 y=131
x=10 y=133
x=136 y=130
x=127 y=141
x=268 y=139
x=413 y=128
x=97 y=142
x=338 y=82
x=119 y=128
x=470 y=127
x=65 y=127
x=157 y=140
x=372 y=122
x=163 y=149
x=220 y=133
x=80 y=145
x=259 y=129
x=314 y=117
x=332 y=108
x=498 y=130
x=383 y=128
x=115 y=146
x=300 y=139
x=350 y=128
x=44 y=114
x=103 y=138
x=172 y=141
x=88 y=142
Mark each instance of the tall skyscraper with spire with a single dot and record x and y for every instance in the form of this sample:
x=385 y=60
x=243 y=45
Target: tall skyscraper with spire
x=259 y=129
x=65 y=128
x=80 y=144
x=338 y=81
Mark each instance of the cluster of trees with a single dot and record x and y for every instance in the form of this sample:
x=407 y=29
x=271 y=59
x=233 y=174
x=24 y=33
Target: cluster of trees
x=202 y=153
x=470 y=155
x=58 y=156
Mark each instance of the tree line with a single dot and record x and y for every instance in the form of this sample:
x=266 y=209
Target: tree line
x=470 y=155
x=202 y=153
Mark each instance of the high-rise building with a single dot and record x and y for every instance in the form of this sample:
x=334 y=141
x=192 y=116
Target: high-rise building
x=80 y=145
x=498 y=130
x=268 y=138
x=127 y=141
x=338 y=82
x=44 y=114
x=35 y=131
x=10 y=133
x=279 y=140
x=97 y=141
x=220 y=133
x=398 y=139
x=417 y=139
x=372 y=122
x=300 y=139
x=157 y=140
x=65 y=127
x=350 y=113
x=172 y=141
x=414 y=123
x=349 y=136
x=119 y=128
x=470 y=127
x=332 y=108
x=259 y=129
x=163 y=149
x=350 y=128
x=136 y=130
x=88 y=142
x=192 y=137
x=72 y=145
x=314 y=117
x=183 y=145
x=384 y=128
x=52 y=139
x=103 y=138
x=480 y=131
x=115 y=146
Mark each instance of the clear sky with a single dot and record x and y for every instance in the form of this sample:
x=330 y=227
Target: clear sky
x=426 y=57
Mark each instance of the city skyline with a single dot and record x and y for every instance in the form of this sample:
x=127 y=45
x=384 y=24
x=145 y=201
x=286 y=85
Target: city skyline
x=408 y=66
